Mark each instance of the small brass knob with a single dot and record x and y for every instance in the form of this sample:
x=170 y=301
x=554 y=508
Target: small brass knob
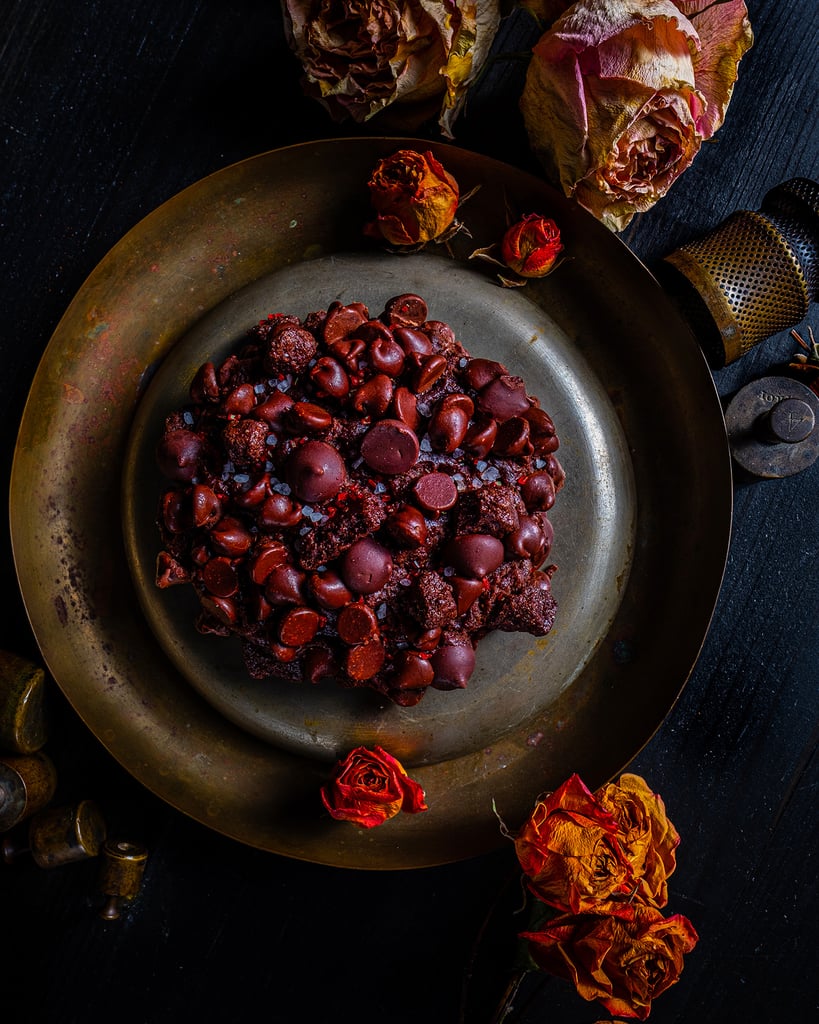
x=27 y=784
x=23 y=710
x=121 y=870
x=61 y=835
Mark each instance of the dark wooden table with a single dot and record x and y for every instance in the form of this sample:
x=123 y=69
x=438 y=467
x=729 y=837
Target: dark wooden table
x=107 y=110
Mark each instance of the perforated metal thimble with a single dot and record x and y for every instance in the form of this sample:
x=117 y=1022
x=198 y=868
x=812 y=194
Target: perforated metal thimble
x=753 y=276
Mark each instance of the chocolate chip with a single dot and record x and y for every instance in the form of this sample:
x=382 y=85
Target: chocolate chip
x=279 y=511
x=365 y=660
x=220 y=577
x=504 y=397
x=373 y=397
x=538 y=492
x=475 y=554
x=436 y=492
x=318 y=663
x=330 y=378
x=415 y=344
x=480 y=437
x=405 y=407
x=328 y=590
x=341 y=321
x=230 y=537
x=178 y=454
x=406 y=309
x=269 y=558
x=466 y=591
x=452 y=666
x=298 y=626
x=175 y=515
x=308 y=418
x=205 y=386
x=448 y=427
x=480 y=372
x=366 y=566
x=390 y=447
x=315 y=471
x=527 y=541
x=407 y=527
x=284 y=585
x=429 y=371
x=357 y=623
x=513 y=438
x=273 y=410
x=386 y=356
x=240 y=401
x=207 y=508
x=412 y=672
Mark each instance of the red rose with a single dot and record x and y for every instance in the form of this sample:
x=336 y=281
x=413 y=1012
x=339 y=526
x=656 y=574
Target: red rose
x=624 y=964
x=414 y=197
x=369 y=787
x=532 y=246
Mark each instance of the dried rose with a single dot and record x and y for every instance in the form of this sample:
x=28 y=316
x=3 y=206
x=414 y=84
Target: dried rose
x=570 y=853
x=360 y=57
x=370 y=786
x=620 y=94
x=623 y=963
x=414 y=197
x=646 y=836
x=531 y=246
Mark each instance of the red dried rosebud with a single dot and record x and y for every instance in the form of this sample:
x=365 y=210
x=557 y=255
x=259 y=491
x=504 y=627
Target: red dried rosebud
x=414 y=196
x=369 y=787
x=532 y=246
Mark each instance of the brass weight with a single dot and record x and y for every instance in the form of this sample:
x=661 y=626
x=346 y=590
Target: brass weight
x=27 y=784
x=120 y=877
x=61 y=835
x=23 y=710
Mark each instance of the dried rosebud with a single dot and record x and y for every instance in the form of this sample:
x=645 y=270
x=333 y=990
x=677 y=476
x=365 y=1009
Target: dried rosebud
x=620 y=96
x=414 y=196
x=623 y=964
x=361 y=57
x=531 y=246
x=369 y=787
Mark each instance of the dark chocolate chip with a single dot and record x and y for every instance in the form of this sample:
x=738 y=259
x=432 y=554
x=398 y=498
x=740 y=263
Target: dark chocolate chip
x=178 y=454
x=448 y=427
x=220 y=577
x=328 y=590
x=407 y=527
x=480 y=372
x=390 y=447
x=436 y=492
x=406 y=309
x=330 y=378
x=207 y=508
x=298 y=626
x=284 y=585
x=452 y=666
x=475 y=554
x=357 y=623
x=279 y=512
x=412 y=672
x=364 y=660
x=504 y=397
x=366 y=566
x=230 y=537
x=269 y=558
x=538 y=492
x=315 y=471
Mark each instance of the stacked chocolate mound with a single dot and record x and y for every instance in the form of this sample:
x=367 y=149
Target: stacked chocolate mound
x=358 y=499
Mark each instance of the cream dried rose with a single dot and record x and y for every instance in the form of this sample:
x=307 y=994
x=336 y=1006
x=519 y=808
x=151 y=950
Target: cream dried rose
x=363 y=56
x=620 y=95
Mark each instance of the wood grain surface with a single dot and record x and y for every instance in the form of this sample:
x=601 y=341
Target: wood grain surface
x=108 y=109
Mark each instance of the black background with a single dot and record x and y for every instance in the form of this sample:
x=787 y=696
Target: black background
x=108 y=109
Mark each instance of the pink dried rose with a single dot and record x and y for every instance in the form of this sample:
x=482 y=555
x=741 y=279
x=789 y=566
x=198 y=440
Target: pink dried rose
x=620 y=95
x=363 y=56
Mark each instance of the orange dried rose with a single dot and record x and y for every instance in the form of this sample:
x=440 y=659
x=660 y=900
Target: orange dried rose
x=531 y=246
x=570 y=852
x=415 y=198
x=647 y=837
x=369 y=787
x=623 y=964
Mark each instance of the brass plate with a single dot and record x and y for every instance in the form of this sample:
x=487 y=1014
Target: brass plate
x=649 y=496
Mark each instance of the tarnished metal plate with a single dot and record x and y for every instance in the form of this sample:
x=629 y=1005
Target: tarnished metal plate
x=648 y=495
